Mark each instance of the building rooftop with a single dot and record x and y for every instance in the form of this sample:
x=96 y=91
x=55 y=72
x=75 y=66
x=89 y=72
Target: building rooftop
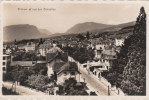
x=57 y=55
x=54 y=49
x=109 y=52
x=51 y=56
x=45 y=46
x=22 y=63
x=69 y=66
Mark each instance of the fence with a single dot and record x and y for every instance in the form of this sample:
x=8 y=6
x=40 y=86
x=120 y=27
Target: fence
x=112 y=88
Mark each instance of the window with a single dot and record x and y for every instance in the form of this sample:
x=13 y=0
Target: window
x=72 y=73
x=65 y=73
x=107 y=68
x=84 y=66
x=4 y=63
x=4 y=69
x=4 y=58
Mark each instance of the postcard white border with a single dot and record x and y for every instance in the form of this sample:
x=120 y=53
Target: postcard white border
x=35 y=97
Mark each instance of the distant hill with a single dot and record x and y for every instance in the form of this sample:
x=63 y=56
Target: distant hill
x=45 y=31
x=87 y=26
x=21 y=31
x=120 y=26
x=56 y=34
x=115 y=27
x=97 y=27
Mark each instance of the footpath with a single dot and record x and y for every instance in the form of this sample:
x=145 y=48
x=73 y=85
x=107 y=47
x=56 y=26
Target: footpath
x=22 y=90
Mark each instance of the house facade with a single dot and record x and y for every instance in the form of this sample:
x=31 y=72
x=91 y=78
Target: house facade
x=68 y=70
x=59 y=65
x=100 y=46
x=30 y=47
x=119 y=42
x=6 y=59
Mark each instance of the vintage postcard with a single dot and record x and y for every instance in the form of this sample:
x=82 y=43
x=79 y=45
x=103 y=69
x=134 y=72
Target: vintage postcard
x=84 y=49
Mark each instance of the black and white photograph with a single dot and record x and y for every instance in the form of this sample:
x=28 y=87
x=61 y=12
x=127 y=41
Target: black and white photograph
x=74 y=49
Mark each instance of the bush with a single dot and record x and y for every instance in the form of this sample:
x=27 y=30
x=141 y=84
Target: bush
x=70 y=88
x=38 y=81
x=6 y=91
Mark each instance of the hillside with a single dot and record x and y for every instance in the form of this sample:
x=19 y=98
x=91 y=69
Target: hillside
x=97 y=27
x=115 y=27
x=21 y=31
x=44 y=31
x=87 y=26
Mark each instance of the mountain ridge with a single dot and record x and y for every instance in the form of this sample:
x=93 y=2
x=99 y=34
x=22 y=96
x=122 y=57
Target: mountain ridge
x=97 y=27
x=86 y=26
x=21 y=31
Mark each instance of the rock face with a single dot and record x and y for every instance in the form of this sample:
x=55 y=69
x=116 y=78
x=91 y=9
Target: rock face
x=21 y=31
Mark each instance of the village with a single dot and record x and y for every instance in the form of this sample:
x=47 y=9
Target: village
x=59 y=64
x=73 y=49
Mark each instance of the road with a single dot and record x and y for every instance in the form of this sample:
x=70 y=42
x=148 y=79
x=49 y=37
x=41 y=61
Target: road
x=23 y=90
x=95 y=83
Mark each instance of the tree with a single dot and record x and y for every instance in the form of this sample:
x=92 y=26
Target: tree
x=81 y=37
x=38 y=81
x=87 y=35
x=70 y=88
x=134 y=74
x=41 y=41
x=15 y=41
x=39 y=69
x=128 y=72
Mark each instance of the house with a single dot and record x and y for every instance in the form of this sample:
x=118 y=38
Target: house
x=24 y=64
x=98 y=66
x=90 y=45
x=58 y=65
x=117 y=49
x=27 y=47
x=21 y=46
x=107 y=58
x=54 y=49
x=48 y=47
x=43 y=48
x=6 y=59
x=98 y=54
x=30 y=47
x=5 y=46
x=71 y=59
x=64 y=44
x=8 y=51
x=55 y=57
x=119 y=42
x=100 y=46
x=109 y=54
x=103 y=63
x=66 y=71
x=13 y=47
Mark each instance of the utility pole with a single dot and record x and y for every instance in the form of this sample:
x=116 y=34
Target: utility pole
x=108 y=90
x=78 y=69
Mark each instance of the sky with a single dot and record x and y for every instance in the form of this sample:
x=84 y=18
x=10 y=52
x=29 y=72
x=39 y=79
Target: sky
x=61 y=16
